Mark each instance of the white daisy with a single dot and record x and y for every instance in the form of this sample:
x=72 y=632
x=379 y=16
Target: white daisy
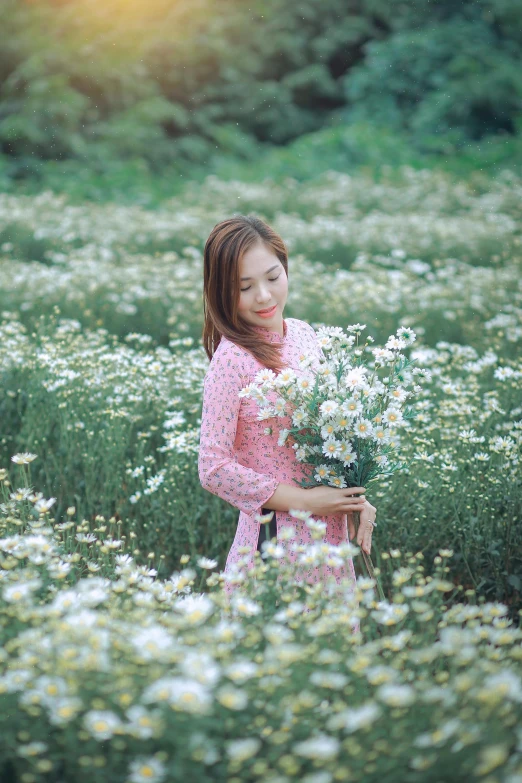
x=24 y=458
x=184 y=694
x=395 y=343
x=20 y=591
x=241 y=749
x=367 y=393
x=329 y=408
x=326 y=372
x=344 y=446
x=363 y=428
x=246 y=391
x=399 y=394
x=351 y=407
x=44 y=505
x=324 y=342
x=328 y=429
x=342 y=422
x=286 y=376
x=279 y=407
x=305 y=383
x=406 y=333
x=355 y=378
x=146 y=770
x=502 y=373
x=265 y=413
x=205 y=562
x=299 y=417
x=396 y=695
x=383 y=355
x=337 y=481
x=101 y=724
x=322 y=747
x=265 y=375
x=263 y=518
x=392 y=416
x=283 y=435
x=330 y=447
x=381 y=434
x=321 y=472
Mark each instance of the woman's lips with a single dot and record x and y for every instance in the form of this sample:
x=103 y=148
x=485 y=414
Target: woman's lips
x=266 y=313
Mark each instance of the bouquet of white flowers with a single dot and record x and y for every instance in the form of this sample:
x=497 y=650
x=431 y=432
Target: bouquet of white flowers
x=345 y=413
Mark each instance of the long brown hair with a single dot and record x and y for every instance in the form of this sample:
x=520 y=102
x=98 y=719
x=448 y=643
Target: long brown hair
x=224 y=248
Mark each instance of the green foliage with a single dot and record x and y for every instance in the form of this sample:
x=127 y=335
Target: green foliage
x=186 y=86
x=166 y=74
x=446 y=84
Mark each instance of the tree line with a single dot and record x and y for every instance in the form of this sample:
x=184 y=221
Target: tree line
x=162 y=81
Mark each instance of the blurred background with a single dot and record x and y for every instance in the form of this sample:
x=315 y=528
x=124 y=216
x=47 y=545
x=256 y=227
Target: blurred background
x=128 y=99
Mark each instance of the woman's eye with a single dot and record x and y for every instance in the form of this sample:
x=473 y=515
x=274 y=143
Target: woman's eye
x=272 y=280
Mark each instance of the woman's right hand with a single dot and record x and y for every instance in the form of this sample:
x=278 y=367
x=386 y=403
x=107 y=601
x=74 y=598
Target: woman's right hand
x=324 y=501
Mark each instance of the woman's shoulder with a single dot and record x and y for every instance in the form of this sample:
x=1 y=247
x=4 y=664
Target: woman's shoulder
x=230 y=357
x=229 y=348
x=296 y=324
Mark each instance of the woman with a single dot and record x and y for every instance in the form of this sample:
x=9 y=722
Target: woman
x=245 y=292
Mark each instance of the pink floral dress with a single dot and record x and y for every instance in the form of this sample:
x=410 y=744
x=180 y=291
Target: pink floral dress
x=241 y=463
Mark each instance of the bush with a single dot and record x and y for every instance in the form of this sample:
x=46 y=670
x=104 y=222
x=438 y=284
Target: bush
x=175 y=87
x=448 y=84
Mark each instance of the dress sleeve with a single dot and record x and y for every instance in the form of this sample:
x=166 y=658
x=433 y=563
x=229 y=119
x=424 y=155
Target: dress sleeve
x=219 y=472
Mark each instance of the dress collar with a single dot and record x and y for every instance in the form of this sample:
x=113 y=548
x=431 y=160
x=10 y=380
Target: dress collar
x=273 y=337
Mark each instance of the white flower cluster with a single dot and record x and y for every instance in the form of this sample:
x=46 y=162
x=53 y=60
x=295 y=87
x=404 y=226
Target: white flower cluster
x=352 y=412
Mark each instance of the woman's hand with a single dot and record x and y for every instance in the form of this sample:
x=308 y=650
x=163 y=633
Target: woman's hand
x=366 y=520
x=324 y=501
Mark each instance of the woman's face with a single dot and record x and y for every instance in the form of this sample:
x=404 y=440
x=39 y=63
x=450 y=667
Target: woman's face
x=266 y=287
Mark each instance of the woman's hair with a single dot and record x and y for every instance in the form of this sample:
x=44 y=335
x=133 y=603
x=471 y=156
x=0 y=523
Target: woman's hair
x=226 y=245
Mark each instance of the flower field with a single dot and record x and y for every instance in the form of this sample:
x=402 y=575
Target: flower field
x=121 y=657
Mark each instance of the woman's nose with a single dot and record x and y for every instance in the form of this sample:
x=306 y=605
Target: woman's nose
x=263 y=294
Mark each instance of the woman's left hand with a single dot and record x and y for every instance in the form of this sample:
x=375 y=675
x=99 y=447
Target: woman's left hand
x=366 y=520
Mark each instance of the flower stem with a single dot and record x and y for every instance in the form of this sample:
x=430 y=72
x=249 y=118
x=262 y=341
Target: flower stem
x=368 y=567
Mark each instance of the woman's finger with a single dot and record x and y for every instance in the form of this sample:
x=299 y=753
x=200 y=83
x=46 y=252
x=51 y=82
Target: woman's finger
x=353 y=505
x=364 y=535
x=353 y=490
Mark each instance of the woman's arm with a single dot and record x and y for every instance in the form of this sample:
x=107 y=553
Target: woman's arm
x=219 y=472
x=286 y=497
x=320 y=500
